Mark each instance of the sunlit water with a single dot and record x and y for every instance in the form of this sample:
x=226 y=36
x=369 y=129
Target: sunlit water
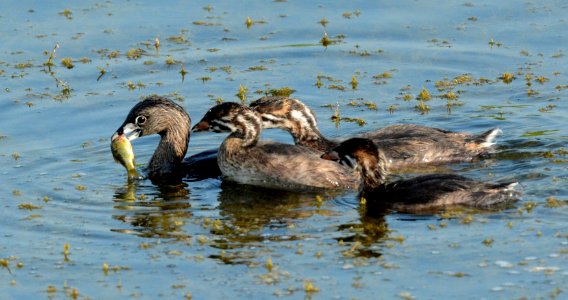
x=208 y=239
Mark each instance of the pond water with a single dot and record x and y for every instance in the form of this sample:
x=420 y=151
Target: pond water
x=68 y=212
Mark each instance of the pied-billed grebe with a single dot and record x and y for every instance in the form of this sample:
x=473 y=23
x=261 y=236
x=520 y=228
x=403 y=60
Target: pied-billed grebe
x=244 y=159
x=403 y=145
x=419 y=193
x=159 y=115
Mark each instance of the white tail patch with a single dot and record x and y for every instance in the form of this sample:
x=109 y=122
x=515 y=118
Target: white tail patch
x=489 y=139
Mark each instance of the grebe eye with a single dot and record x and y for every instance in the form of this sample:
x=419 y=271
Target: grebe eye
x=140 y=120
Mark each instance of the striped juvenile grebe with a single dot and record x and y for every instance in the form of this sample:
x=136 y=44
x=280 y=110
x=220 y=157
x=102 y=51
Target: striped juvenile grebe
x=244 y=159
x=403 y=145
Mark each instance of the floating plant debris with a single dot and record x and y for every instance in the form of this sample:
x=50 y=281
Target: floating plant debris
x=67 y=14
x=507 y=77
x=182 y=72
x=283 y=92
x=424 y=95
x=242 y=93
x=248 y=22
x=67 y=62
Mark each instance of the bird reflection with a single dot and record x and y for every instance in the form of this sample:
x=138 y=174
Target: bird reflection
x=250 y=211
x=160 y=213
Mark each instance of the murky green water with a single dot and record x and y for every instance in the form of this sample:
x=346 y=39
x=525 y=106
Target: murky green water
x=59 y=185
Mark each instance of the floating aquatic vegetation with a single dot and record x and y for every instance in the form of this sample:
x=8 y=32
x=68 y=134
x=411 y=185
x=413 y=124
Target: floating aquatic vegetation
x=450 y=95
x=310 y=288
x=318 y=83
x=269 y=264
x=49 y=63
x=283 y=92
x=157 y=43
x=507 y=77
x=325 y=41
x=102 y=72
x=23 y=65
x=28 y=206
x=16 y=155
x=170 y=61
x=114 y=54
x=338 y=87
x=558 y=54
x=492 y=43
x=66 y=251
x=134 y=53
x=440 y=43
x=178 y=39
x=242 y=93
x=354 y=82
x=553 y=202
x=5 y=263
x=323 y=22
x=66 y=13
x=183 y=72
x=67 y=62
x=257 y=68
x=132 y=86
x=424 y=95
x=538 y=133
x=204 y=79
x=392 y=108
x=248 y=22
x=548 y=108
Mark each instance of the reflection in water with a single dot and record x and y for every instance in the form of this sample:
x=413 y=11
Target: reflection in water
x=367 y=235
x=248 y=210
x=159 y=215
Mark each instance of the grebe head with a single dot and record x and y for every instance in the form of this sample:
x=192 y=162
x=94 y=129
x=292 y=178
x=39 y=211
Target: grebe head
x=363 y=155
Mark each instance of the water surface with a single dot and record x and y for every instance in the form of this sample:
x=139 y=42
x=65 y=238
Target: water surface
x=211 y=239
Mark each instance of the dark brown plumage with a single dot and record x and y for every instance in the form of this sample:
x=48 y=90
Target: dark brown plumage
x=419 y=193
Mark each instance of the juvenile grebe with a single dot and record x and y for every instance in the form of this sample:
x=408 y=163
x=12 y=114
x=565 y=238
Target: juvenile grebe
x=244 y=159
x=420 y=193
x=403 y=145
x=159 y=115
